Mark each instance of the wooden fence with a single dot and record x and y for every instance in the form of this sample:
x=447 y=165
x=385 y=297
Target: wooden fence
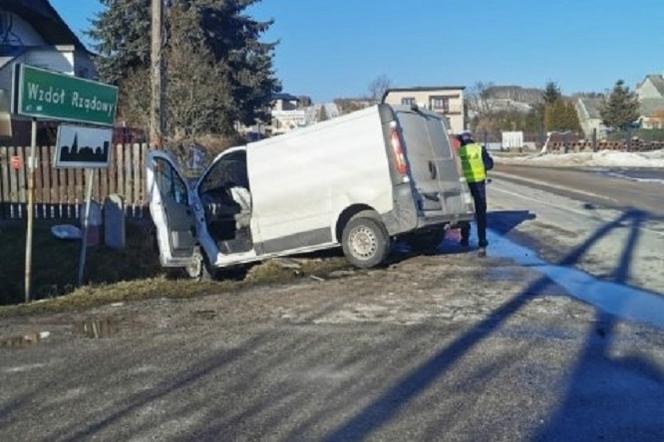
x=59 y=193
x=620 y=145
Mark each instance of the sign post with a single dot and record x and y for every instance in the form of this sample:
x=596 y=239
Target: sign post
x=89 y=178
x=88 y=148
x=31 y=212
x=40 y=93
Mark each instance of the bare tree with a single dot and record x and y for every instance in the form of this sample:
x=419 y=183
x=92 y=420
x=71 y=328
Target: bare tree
x=378 y=86
x=479 y=100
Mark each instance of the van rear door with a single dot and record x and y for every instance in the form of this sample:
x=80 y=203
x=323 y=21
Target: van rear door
x=432 y=165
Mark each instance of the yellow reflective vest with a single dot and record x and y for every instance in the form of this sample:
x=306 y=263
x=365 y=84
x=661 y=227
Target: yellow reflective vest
x=471 y=162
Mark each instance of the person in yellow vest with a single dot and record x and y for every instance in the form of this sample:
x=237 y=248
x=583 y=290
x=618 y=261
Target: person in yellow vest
x=475 y=161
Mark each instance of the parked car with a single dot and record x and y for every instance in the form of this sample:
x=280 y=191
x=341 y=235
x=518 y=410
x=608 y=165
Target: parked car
x=358 y=181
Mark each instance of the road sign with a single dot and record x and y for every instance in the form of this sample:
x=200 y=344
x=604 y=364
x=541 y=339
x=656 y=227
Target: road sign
x=39 y=93
x=83 y=147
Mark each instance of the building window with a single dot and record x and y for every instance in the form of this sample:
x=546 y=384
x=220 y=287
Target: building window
x=441 y=104
x=408 y=101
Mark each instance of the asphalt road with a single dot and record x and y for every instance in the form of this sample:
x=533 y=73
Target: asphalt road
x=523 y=345
x=616 y=187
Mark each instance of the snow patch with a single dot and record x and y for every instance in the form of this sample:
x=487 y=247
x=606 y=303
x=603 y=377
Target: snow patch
x=611 y=297
x=603 y=158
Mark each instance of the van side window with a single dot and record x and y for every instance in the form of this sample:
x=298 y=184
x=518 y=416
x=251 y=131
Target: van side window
x=229 y=171
x=169 y=182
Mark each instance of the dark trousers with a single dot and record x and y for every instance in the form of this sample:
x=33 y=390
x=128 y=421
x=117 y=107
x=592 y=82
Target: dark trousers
x=478 y=191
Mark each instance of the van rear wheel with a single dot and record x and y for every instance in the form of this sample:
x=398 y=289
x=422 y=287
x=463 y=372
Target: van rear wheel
x=365 y=242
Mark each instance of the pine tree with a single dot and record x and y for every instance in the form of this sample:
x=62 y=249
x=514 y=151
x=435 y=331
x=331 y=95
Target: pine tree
x=622 y=108
x=218 y=71
x=554 y=116
x=551 y=93
x=561 y=116
x=121 y=32
x=571 y=118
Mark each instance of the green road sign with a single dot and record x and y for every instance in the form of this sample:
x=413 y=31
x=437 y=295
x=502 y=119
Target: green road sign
x=39 y=93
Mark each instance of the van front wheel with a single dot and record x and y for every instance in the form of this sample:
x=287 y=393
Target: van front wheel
x=199 y=269
x=365 y=242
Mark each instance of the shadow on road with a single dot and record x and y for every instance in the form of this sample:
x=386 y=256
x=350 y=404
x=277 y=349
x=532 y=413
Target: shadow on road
x=581 y=405
x=502 y=221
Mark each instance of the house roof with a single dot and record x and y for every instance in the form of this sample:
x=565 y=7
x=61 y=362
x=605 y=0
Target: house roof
x=46 y=20
x=649 y=106
x=592 y=107
x=285 y=97
x=658 y=82
x=8 y=53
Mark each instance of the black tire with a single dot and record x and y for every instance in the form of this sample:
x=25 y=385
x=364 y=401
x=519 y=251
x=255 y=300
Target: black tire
x=427 y=241
x=200 y=269
x=365 y=242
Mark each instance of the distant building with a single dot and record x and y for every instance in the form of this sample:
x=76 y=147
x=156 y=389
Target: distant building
x=32 y=32
x=651 y=101
x=290 y=113
x=444 y=100
x=285 y=102
x=588 y=110
x=286 y=114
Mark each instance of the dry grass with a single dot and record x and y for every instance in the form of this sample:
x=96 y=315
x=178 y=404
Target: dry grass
x=133 y=275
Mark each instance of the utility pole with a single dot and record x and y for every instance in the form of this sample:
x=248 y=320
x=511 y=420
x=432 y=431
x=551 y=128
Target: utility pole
x=157 y=109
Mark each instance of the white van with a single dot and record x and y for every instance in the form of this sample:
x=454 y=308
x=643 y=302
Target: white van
x=358 y=181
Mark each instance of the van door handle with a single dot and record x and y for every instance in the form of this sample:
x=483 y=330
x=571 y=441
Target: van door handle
x=432 y=170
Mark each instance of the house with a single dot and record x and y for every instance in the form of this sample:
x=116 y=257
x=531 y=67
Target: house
x=285 y=102
x=651 y=112
x=651 y=87
x=588 y=110
x=290 y=113
x=651 y=100
x=32 y=32
x=444 y=100
x=287 y=114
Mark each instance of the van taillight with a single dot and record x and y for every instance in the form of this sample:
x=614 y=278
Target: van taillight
x=402 y=166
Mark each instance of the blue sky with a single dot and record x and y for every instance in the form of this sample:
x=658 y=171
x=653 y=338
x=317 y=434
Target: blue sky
x=330 y=49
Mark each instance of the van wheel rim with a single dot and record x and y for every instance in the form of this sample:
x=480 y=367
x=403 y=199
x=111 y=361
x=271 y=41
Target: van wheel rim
x=194 y=269
x=363 y=242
